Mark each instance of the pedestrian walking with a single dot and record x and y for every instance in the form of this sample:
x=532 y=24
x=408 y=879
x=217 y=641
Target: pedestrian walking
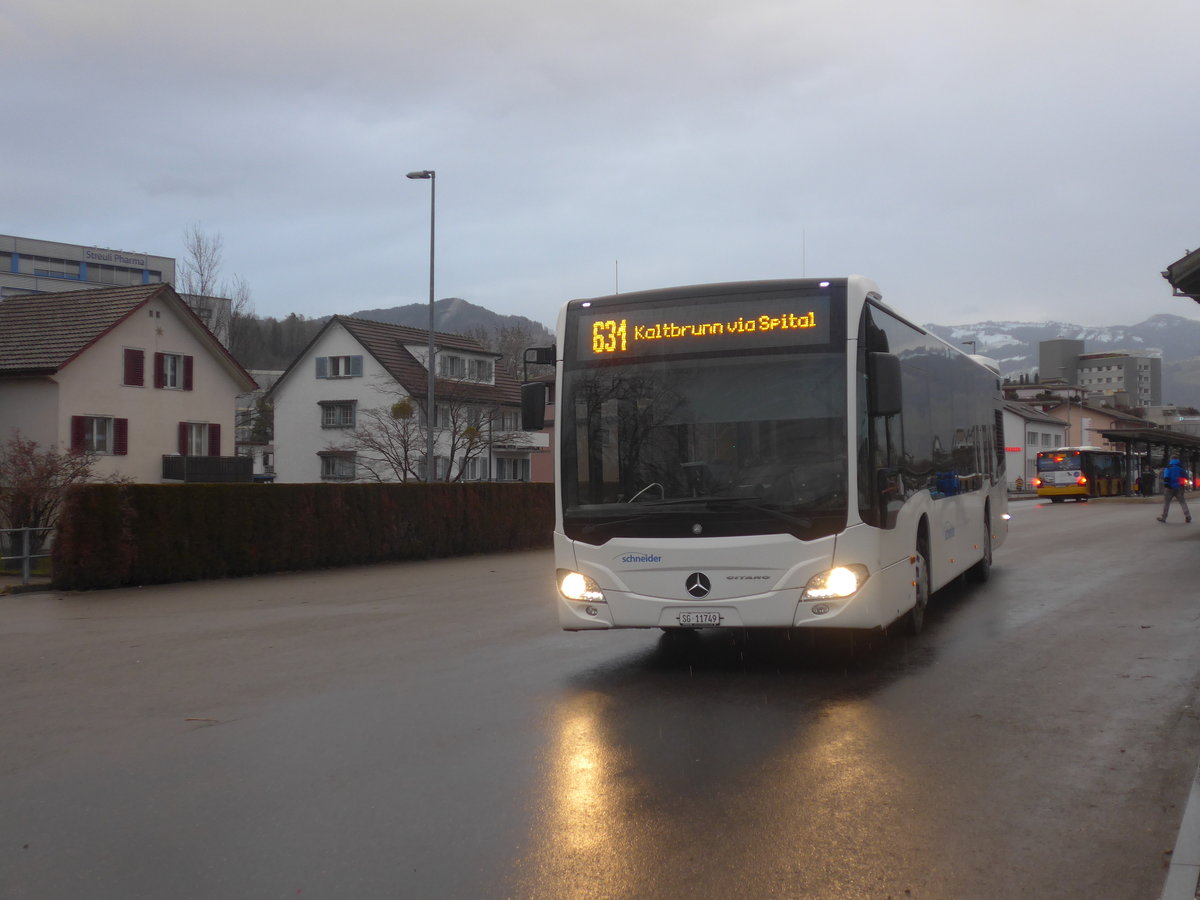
x=1174 y=479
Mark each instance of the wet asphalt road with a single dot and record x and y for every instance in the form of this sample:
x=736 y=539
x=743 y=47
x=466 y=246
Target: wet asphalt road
x=424 y=730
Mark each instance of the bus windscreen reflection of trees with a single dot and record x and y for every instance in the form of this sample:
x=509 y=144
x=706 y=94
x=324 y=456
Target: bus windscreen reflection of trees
x=771 y=429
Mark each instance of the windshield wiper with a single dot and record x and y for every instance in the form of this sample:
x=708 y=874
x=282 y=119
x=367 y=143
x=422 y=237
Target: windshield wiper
x=754 y=504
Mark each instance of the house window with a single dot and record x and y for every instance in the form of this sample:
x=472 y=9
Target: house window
x=512 y=469
x=452 y=367
x=173 y=371
x=337 y=413
x=339 y=366
x=481 y=370
x=134 y=367
x=105 y=435
x=97 y=434
x=472 y=469
x=337 y=465
x=199 y=439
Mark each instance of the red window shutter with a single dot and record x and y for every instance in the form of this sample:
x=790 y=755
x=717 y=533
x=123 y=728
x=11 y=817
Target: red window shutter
x=78 y=434
x=183 y=438
x=160 y=376
x=120 y=437
x=135 y=367
x=214 y=440
x=187 y=373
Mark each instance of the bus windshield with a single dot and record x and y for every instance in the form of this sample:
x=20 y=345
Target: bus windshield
x=1058 y=462
x=705 y=446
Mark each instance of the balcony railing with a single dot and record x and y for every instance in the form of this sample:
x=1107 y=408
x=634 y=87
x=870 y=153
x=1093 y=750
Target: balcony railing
x=207 y=469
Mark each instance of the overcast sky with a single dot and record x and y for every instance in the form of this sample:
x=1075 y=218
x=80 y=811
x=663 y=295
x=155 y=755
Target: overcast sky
x=979 y=159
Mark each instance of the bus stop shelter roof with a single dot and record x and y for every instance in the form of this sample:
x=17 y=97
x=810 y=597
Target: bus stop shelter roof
x=1155 y=437
x=1184 y=276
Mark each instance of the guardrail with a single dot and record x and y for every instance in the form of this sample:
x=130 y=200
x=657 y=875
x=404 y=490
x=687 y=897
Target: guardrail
x=25 y=545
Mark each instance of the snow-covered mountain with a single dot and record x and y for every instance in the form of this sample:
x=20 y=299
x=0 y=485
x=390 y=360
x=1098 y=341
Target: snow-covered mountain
x=1015 y=346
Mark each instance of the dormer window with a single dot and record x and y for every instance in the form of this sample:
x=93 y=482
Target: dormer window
x=451 y=366
x=339 y=366
x=481 y=370
x=468 y=368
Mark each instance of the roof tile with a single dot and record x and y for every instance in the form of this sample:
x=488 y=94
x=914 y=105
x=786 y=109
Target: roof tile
x=386 y=342
x=43 y=332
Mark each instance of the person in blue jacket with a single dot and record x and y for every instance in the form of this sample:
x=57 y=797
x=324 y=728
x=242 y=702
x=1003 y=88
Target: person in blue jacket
x=1174 y=479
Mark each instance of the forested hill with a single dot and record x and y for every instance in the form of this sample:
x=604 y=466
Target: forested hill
x=269 y=343
x=456 y=316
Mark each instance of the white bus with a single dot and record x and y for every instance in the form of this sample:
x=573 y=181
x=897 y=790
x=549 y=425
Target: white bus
x=767 y=454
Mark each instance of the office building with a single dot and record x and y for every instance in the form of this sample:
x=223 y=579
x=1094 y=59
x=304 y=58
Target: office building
x=1116 y=377
x=32 y=266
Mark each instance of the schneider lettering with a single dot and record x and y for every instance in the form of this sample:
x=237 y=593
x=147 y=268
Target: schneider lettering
x=640 y=558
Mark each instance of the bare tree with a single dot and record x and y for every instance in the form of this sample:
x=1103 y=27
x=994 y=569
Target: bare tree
x=199 y=275
x=389 y=441
x=200 y=269
x=33 y=481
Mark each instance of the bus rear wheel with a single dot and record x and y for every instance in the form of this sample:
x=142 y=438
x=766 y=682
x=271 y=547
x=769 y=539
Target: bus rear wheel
x=982 y=570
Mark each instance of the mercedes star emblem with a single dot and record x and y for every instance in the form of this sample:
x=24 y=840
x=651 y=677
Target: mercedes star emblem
x=698 y=585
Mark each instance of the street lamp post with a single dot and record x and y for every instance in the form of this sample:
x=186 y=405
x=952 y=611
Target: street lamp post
x=431 y=176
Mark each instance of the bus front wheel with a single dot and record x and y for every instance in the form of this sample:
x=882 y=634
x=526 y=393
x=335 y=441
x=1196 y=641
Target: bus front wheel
x=914 y=621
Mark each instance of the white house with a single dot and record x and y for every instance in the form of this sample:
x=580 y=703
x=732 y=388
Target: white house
x=1028 y=430
x=128 y=373
x=351 y=408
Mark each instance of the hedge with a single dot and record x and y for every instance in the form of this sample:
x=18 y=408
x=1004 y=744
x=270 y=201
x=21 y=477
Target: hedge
x=114 y=535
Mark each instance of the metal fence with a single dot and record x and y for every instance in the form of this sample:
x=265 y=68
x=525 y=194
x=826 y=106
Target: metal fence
x=22 y=546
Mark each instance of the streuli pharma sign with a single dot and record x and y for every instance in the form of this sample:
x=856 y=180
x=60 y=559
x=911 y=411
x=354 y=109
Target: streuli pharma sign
x=113 y=258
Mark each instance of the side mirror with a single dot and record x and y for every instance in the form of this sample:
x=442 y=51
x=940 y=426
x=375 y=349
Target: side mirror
x=538 y=356
x=883 y=370
x=533 y=406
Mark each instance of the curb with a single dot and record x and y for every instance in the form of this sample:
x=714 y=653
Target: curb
x=1183 y=875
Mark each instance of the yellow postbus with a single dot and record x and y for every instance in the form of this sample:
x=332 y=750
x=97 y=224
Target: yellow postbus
x=1077 y=473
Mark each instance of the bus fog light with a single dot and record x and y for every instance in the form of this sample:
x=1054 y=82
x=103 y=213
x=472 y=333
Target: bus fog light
x=820 y=609
x=575 y=586
x=591 y=611
x=836 y=583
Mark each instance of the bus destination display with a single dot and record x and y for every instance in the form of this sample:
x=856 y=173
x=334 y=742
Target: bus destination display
x=736 y=324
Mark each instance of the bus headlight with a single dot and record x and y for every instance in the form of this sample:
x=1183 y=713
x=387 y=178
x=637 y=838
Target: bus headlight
x=575 y=586
x=836 y=584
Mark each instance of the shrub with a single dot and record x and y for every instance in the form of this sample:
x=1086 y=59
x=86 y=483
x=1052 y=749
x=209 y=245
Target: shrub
x=111 y=535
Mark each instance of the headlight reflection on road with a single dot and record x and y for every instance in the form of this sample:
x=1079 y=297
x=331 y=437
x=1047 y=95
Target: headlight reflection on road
x=583 y=845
